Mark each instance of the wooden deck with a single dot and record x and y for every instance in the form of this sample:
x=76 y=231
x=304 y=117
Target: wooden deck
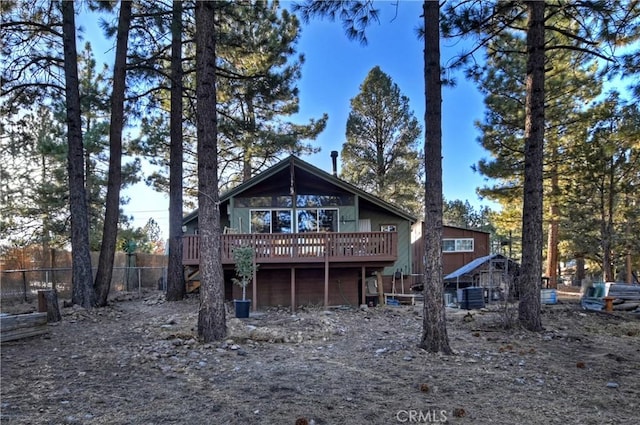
x=354 y=247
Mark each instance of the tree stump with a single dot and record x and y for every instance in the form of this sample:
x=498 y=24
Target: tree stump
x=48 y=303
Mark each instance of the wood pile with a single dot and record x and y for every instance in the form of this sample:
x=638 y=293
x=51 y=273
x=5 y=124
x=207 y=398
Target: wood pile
x=18 y=326
x=625 y=297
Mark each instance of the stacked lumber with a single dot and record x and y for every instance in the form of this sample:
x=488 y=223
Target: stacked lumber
x=625 y=297
x=22 y=326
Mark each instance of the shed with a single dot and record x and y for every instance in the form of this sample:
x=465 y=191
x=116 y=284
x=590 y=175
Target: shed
x=495 y=273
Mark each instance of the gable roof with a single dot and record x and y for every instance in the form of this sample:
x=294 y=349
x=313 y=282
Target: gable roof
x=293 y=162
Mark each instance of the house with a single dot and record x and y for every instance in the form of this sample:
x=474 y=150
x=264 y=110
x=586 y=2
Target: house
x=316 y=237
x=460 y=246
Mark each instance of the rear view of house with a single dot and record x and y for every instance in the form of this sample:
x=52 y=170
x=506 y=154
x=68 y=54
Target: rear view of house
x=316 y=238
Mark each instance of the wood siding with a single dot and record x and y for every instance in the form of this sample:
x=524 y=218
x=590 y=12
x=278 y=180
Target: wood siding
x=451 y=261
x=274 y=287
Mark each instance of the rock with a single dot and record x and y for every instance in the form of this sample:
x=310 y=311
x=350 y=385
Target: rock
x=268 y=334
x=612 y=385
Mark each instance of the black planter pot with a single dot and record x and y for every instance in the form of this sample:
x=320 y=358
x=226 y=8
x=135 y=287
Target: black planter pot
x=242 y=308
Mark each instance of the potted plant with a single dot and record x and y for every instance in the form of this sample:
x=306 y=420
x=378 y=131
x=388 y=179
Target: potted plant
x=244 y=263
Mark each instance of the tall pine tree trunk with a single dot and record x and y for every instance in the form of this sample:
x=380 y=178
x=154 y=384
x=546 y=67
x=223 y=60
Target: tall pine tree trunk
x=532 y=239
x=211 y=315
x=114 y=182
x=434 y=329
x=175 y=273
x=554 y=215
x=608 y=235
x=81 y=275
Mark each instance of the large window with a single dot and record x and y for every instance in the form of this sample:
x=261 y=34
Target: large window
x=457 y=245
x=281 y=221
x=278 y=201
x=324 y=200
x=271 y=221
x=317 y=220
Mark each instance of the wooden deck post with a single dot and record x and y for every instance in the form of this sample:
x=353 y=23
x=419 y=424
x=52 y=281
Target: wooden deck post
x=293 y=290
x=326 y=282
x=380 y=288
x=363 y=299
x=254 y=303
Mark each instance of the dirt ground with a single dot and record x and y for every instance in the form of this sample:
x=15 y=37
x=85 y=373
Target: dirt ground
x=138 y=361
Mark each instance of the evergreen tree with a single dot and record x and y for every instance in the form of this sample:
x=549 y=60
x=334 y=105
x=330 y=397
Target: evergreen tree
x=33 y=209
x=576 y=22
x=434 y=328
x=114 y=183
x=356 y=15
x=381 y=154
x=463 y=214
x=82 y=277
x=258 y=72
x=175 y=272
x=602 y=211
x=211 y=315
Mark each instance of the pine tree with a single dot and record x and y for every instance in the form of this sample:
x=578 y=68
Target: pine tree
x=211 y=315
x=112 y=205
x=33 y=209
x=602 y=214
x=381 y=154
x=175 y=273
x=434 y=327
x=257 y=90
x=82 y=277
x=356 y=15
x=576 y=22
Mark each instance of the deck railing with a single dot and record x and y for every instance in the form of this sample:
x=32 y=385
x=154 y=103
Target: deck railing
x=302 y=247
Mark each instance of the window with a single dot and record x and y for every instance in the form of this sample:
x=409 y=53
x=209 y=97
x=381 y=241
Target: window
x=271 y=221
x=324 y=200
x=457 y=245
x=283 y=201
x=281 y=221
x=317 y=220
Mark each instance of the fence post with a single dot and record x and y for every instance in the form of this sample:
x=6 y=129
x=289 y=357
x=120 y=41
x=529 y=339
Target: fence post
x=139 y=283
x=24 y=285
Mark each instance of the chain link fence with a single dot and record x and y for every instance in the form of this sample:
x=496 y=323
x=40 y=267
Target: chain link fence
x=22 y=285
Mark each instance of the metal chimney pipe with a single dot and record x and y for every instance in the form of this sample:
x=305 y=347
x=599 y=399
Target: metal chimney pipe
x=334 y=161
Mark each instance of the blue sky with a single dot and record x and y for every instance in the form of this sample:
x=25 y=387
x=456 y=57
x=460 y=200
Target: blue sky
x=335 y=67
x=332 y=73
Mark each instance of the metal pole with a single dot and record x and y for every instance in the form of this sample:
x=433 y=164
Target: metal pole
x=139 y=283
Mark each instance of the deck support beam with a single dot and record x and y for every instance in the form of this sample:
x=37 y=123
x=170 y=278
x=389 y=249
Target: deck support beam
x=326 y=282
x=293 y=290
x=254 y=304
x=363 y=286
